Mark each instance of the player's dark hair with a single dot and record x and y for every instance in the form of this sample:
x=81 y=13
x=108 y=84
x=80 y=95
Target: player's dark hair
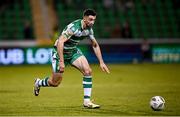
x=88 y=12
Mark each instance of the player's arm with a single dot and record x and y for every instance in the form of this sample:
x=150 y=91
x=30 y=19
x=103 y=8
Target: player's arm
x=97 y=52
x=60 y=47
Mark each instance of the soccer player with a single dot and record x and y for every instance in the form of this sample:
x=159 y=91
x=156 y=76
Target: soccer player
x=65 y=52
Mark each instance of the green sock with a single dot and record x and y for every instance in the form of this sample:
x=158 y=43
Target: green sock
x=87 y=85
x=43 y=82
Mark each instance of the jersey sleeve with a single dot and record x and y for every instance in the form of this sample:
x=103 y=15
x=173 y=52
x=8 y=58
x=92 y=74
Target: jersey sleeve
x=69 y=31
x=91 y=34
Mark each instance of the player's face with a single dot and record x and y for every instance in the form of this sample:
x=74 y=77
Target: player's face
x=89 y=20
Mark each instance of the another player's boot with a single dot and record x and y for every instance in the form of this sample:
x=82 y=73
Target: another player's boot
x=36 y=87
x=90 y=105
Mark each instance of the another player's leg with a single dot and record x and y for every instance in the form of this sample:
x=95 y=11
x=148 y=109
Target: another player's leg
x=82 y=64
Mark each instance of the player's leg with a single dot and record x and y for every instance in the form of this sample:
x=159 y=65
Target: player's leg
x=52 y=81
x=56 y=77
x=82 y=65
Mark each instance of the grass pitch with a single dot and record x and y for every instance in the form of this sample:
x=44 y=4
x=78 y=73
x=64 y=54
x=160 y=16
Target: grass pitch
x=126 y=91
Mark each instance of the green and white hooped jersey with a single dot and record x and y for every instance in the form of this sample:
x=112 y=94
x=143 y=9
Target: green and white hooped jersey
x=74 y=32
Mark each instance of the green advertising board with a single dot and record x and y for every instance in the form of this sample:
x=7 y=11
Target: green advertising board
x=166 y=53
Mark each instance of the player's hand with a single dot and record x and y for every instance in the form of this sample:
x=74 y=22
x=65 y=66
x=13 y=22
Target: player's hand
x=61 y=67
x=104 y=68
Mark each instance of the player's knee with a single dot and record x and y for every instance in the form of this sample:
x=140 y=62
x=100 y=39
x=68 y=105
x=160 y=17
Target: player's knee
x=57 y=78
x=54 y=84
x=87 y=72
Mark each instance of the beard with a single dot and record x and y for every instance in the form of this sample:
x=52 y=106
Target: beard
x=90 y=25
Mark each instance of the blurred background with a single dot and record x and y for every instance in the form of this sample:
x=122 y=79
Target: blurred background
x=137 y=39
x=128 y=31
